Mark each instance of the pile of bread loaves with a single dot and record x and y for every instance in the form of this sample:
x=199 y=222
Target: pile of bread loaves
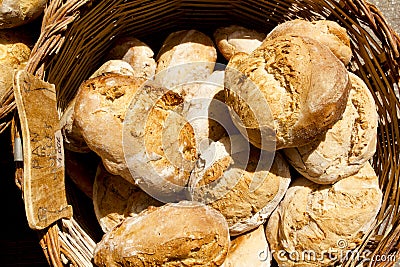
x=201 y=165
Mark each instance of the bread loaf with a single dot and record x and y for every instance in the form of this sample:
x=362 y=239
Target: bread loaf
x=344 y=148
x=327 y=32
x=99 y=111
x=249 y=249
x=182 y=234
x=138 y=54
x=324 y=221
x=73 y=139
x=17 y=12
x=114 y=199
x=160 y=145
x=287 y=92
x=233 y=39
x=244 y=185
x=185 y=57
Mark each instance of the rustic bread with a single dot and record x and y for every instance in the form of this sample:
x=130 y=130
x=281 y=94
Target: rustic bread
x=138 y=54
x=327 y=32
x=17 y=12
x=160 y=143
x=287 y=92
x=182 y=234
x=344 y=148
x=114 y=199
x=99 y=112
x=323 y=218
x=73 y=139
x=233 y=39
x=249 y=249
x=185 y=57
x=243 y=183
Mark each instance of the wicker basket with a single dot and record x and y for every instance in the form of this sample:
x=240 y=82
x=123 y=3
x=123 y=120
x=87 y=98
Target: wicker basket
x=76 y=33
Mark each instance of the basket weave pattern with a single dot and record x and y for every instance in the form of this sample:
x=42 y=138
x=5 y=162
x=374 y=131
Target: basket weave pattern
x=76 y=33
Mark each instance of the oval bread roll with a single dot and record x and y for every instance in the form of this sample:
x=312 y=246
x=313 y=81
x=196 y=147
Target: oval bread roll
x=344 y=148
x=185 y=57
x=327 y=32
x=249 y=249
x=303 y=85
x=99 y=112
x=73 y=139
x=240 y=184
x=233 y=39
x=114 y=199
x=138 y=54
x=323 y=218
x=17 y=12
x=182 y=234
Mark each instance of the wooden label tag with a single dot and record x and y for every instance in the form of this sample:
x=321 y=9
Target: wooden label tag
x=44 y=188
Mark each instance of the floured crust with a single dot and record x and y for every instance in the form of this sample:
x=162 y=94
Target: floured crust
x=182 y=234
x=115 y=199
x=327 y=32
x=99 y=113
x=344 y=149
x=138 y=54
x=18 y=12
x=243 y=206
x=162 y=146
x=114 y=66
x=303 y=85
x=249 y=249
x=233 y=39
x=323 y=218
x=185 y=57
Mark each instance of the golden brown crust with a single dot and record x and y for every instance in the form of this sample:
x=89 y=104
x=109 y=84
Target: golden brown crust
x=327 y=32
x=344 y=148
x=182 y=234
x=303 y=84
x=115 y=199
x=18 y=12
x=321 y=218
x=100 y=109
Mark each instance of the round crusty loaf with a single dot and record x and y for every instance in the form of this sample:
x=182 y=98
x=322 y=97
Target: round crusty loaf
x=291 y=87
x=250 y=249
x=114 y=199
x=99 y=113
x=14 y=53
x=182 y=234
x=344 y=149
x=243 y=183
x=73 y=139
x=327 y=32
x=185 y=57
x=159 y=143
x=138 y=54
x=17 y=12
x=323 y=218
x=233 y=39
